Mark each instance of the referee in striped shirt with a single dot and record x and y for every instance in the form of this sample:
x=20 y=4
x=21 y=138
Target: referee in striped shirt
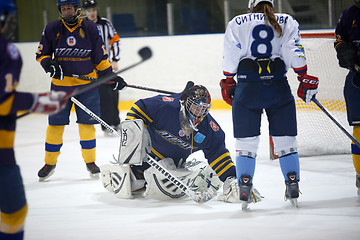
x=109 y=99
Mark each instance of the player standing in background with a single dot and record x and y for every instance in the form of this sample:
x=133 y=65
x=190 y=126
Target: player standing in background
x=109 y=99
x=13 y=206
x=347 y=46
x=259 y=47
x=69 y=46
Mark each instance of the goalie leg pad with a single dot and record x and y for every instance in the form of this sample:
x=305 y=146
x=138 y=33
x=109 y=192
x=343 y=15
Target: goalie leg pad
x=285 y=145
x=118 y=179
x=135 y=142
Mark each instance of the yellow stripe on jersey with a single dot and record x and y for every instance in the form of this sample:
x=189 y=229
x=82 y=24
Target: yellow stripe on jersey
x=5 y=107
x=157 y=153
x=13 y=222
x=103 y=65
x=43 y=57
x=73 y=28
x=69 y=82
x=133 y=118
x=141 y=112
x=229 y=165
x=216 y=161
x=7 y=138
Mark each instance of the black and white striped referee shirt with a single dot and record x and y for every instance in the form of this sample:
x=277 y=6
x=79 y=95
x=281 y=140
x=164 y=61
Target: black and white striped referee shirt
x=110 y=37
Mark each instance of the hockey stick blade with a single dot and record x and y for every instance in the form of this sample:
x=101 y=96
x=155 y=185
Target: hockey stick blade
x=150 y=89
x=145 y=53
x=336 y=121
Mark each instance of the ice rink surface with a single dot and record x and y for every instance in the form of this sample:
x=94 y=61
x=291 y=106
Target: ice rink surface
x=71 y=206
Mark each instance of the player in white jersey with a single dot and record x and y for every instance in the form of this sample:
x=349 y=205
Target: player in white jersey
x=109 y=99
x=259 y=47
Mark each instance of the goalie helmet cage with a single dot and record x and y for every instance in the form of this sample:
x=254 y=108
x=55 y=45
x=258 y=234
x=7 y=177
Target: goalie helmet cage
x=317 y=134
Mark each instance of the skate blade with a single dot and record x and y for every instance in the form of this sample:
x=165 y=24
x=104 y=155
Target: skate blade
x=94 y=176
x=294 y=202
x=41 y=179
x=244 y=205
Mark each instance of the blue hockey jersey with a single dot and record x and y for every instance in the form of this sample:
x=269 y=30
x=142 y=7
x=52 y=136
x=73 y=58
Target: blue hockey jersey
x=161 y=117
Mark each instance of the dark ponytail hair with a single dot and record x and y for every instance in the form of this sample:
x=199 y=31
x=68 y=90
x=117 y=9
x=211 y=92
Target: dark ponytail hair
x=270 y=18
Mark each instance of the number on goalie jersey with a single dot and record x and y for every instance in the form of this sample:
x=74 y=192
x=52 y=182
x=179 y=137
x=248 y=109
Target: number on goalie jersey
x=260 y=60
x=162 y=115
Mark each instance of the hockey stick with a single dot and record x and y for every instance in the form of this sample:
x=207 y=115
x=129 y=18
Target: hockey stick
x=145 y=53
x=199 y=197
x=336 y=121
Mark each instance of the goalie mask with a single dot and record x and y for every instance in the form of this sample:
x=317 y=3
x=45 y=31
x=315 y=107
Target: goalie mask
x=7 y=19
x=254 y=3
x=195 y=104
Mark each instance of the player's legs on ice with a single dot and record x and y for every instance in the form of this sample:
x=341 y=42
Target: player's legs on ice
x=355 y=150
x=88 y=148
x=12 y=203
x=53 y=144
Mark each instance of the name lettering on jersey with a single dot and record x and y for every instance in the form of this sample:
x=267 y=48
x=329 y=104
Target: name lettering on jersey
x=173 y=139
x=168 y=99
x=71 y=41
x=199 y=138
x=72 y=52
x=258 y=17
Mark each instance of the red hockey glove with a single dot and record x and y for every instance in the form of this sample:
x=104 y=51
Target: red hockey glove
x=228 y=86
x=49 y=102
x=307 y=87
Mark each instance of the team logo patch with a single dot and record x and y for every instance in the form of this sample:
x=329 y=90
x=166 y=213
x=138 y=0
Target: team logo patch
x=199 y=138
x=214 y=126
x=181 y=133
x=168 y=99
x=13 y=51
x=71 y=41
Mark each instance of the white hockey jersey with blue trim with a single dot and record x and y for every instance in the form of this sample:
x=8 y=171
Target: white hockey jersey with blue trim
x=247 y=36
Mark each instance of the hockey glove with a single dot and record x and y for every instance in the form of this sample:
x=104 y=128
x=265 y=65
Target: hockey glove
x=347 y=55
x=228 y=86
x=49 y=102
x=118 y=83
x=55 y=69
x=307 y=87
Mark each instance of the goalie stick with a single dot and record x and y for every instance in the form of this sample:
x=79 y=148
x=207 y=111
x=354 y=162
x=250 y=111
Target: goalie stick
x=199 y=197
x=145 y=53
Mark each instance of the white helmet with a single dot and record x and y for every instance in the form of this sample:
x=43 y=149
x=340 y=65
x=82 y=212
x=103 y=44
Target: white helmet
x=254 y=3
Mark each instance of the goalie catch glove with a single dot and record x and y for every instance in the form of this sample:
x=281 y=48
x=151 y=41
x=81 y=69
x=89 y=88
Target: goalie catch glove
x=307 y=87
x=228 y=86
x=347 y=55
x=49 y=102
x=118 y=83
x=55 y=69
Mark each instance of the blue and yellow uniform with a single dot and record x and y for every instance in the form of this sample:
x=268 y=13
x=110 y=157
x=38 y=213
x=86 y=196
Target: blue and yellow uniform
x=79 y=50
x=161 y=117
x=13 y=204
x=348 y=31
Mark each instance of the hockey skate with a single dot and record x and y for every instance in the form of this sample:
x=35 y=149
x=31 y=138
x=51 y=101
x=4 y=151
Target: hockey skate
x=46 y=171
x=93 y=170
x=292 y=189
x=245 y=191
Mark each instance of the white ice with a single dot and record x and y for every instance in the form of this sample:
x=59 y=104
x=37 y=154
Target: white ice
x=71 y=206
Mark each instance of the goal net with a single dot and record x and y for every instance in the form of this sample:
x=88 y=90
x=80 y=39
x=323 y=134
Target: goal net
x=317 y=134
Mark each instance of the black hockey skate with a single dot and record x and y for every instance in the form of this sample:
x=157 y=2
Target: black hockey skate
x=93 y=170
x=46 y=171
x=292 y=189
x=245 y=191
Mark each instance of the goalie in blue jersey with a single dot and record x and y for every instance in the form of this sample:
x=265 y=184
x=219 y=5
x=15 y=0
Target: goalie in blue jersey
x=179 y=125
